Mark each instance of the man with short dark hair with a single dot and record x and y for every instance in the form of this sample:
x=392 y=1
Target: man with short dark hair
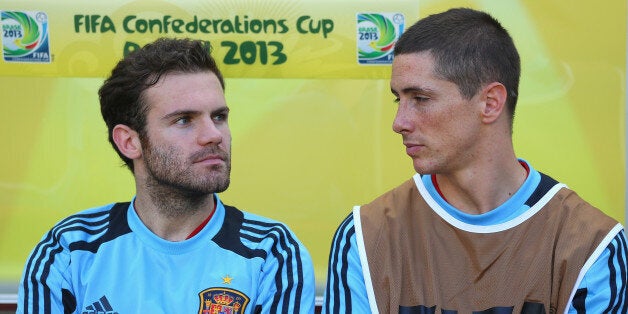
x=476 y=229
x=175 y=248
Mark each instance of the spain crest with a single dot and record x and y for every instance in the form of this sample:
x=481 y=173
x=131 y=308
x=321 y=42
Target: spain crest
x=220 y=300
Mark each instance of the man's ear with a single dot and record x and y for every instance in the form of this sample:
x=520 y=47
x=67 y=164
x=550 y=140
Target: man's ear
x=128 y=141
x=494 y=101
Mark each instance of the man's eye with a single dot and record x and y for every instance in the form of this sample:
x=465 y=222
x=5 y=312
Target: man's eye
x=182 y=121
x=220 y=117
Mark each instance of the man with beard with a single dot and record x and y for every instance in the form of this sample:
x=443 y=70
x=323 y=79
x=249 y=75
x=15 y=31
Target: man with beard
x=175 y=248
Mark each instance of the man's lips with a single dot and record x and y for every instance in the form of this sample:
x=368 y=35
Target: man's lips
x=412 y=148
x=210 y=159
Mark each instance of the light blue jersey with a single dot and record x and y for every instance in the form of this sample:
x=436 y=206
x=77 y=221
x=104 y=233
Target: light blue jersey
x=105 y=260
x=602 y=286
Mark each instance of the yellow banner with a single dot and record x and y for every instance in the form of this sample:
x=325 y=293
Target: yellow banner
x=266 y=39
x=312 y=133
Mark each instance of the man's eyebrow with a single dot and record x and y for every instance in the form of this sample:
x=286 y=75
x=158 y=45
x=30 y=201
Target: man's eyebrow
x=414 y=89
x=179 y=113
x=221 y=110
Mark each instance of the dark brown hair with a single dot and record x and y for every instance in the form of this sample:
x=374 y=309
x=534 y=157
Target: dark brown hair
x=121 y=100
x=470 y=49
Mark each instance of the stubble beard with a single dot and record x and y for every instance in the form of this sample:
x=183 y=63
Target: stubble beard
x=174 y=186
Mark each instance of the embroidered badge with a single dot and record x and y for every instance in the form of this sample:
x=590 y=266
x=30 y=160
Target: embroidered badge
x=222 y=301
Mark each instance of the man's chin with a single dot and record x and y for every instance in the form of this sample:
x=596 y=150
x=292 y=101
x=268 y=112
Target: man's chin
x=223 y=187
x=422 y=167
x=217 y=185
x=204 y=190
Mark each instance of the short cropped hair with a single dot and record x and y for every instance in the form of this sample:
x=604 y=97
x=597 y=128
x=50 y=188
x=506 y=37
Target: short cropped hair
x=470 y=49
x=121 y=100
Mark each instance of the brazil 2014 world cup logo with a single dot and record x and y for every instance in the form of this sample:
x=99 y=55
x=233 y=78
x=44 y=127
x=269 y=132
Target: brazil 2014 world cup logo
x=25 y=36
x=377 y=34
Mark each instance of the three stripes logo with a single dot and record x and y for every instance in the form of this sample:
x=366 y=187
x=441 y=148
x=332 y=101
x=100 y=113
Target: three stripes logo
x=101 y=306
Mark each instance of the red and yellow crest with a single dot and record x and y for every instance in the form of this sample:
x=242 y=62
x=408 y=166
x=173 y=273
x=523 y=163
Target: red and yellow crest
x=222 y=301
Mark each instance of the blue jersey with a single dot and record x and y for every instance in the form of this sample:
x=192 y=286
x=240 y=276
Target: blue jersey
x=105 y=260
x=601 y=284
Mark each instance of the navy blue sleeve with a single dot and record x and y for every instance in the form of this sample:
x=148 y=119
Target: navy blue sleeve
x=603 y=288
x=346 y=291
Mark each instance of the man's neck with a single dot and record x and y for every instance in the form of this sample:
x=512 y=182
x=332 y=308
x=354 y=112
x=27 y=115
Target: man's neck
x=482 y=189
x=172 y=215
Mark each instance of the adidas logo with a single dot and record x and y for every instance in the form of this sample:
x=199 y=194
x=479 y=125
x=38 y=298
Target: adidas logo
x=101 y=306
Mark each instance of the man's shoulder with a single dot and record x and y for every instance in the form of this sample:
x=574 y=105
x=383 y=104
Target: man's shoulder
x=252 y=223
x=400 y=194
x=249 y=234
x=232 y=212
x=92 y=214
x=576 y=222
x=89 y=224
x=576 y=210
